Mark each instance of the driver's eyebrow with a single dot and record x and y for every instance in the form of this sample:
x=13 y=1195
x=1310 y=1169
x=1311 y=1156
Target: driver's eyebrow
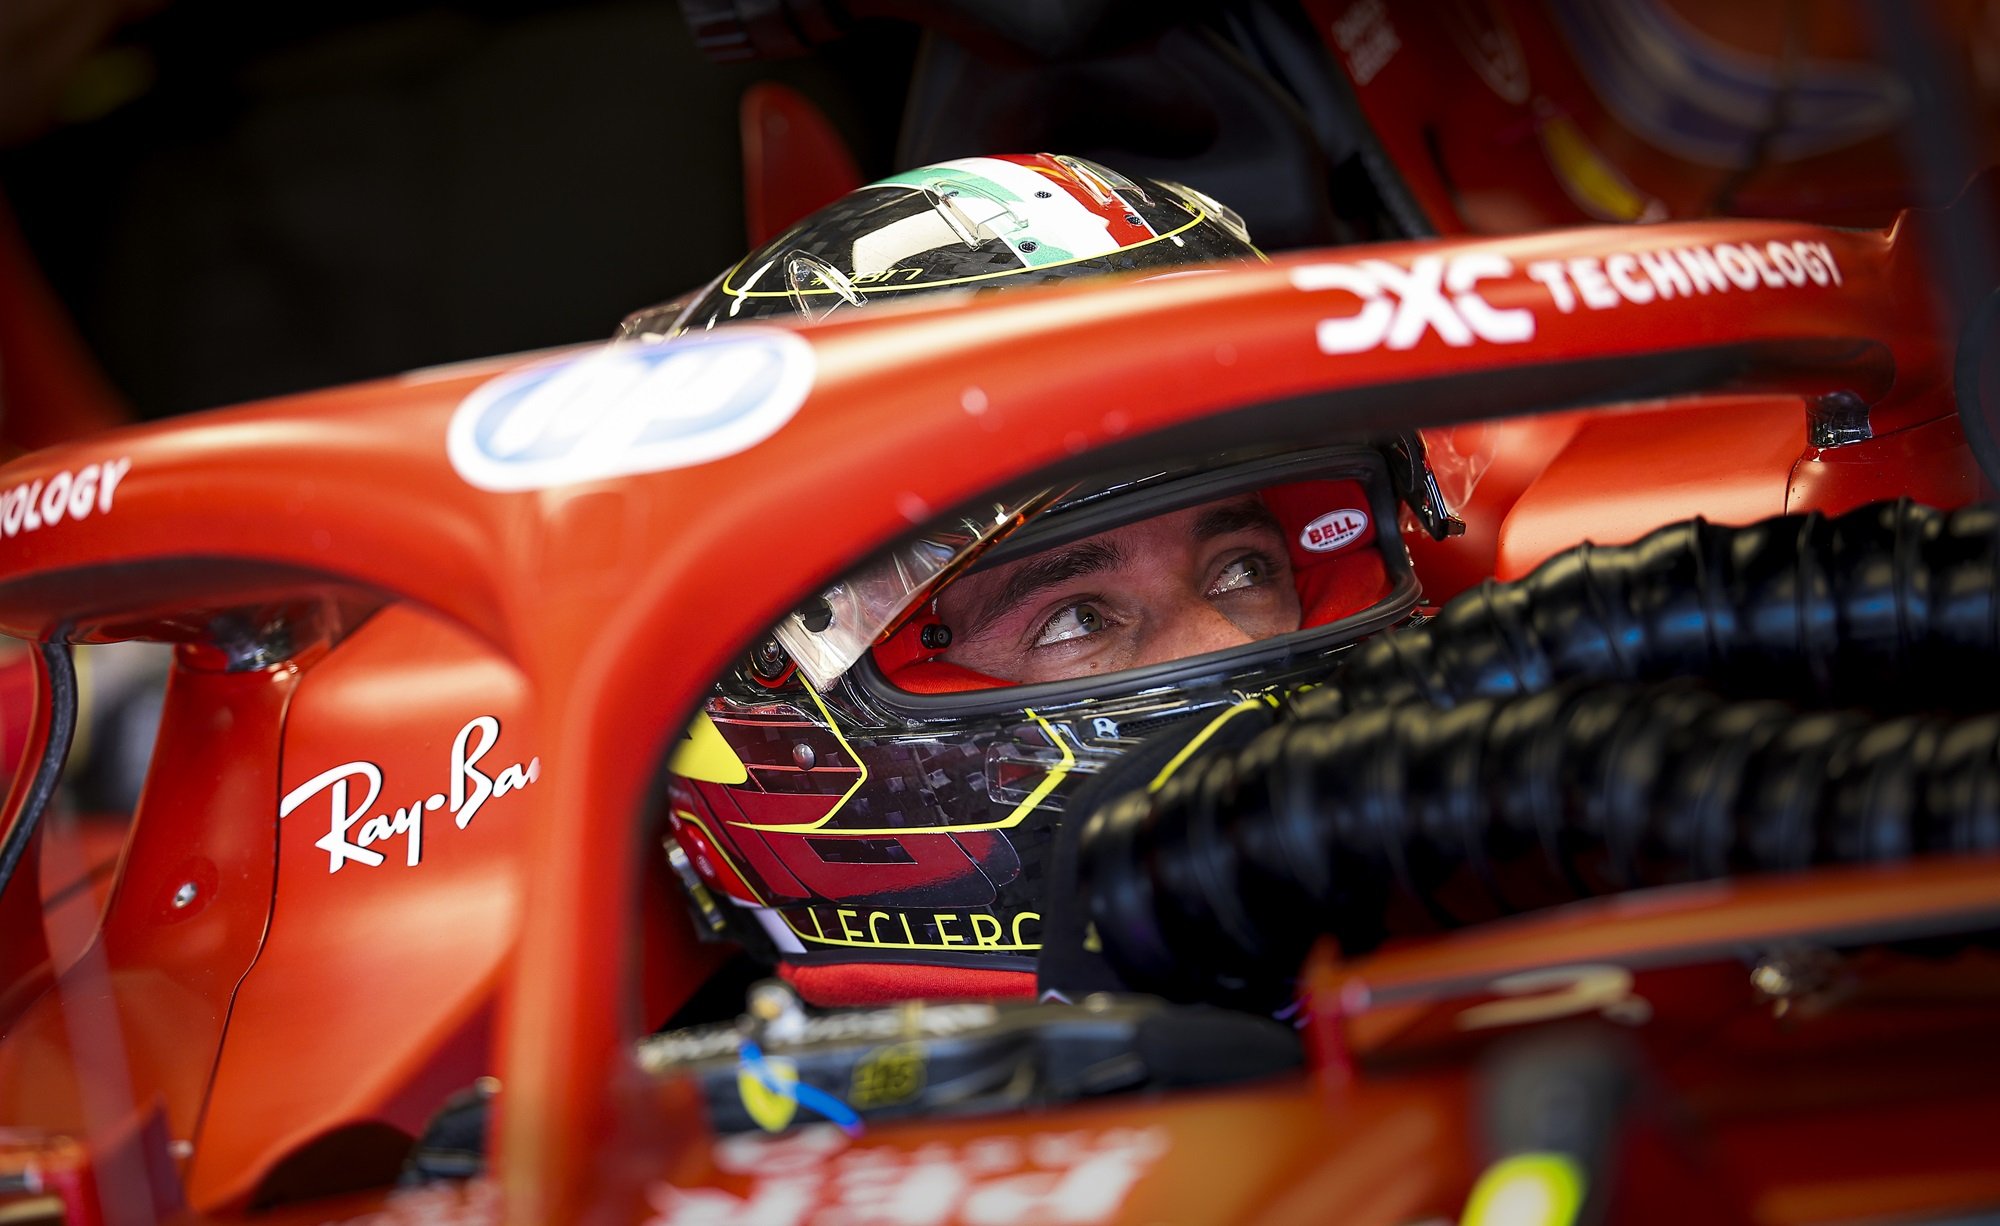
x=1246 y=512
x=1039 y=574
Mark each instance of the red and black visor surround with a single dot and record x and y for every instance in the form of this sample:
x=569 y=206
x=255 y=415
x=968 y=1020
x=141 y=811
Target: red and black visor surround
x=1330 y=529
x=892 y=834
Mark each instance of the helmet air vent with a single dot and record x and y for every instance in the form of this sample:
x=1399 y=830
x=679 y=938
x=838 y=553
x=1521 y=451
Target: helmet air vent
x=1104 y=186
x=807 y=276
x=972 y=210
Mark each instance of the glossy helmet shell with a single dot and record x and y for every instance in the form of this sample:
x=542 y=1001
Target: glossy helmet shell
x=970 y=225
x=887 y=836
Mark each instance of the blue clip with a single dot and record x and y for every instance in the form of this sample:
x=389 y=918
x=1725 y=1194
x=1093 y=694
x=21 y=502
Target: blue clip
x=799 y=1092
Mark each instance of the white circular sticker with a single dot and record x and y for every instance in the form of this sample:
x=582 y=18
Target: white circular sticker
x=1334 y=530
x=627 y=409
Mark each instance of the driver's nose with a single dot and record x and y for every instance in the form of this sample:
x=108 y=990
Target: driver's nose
x=1191 y=628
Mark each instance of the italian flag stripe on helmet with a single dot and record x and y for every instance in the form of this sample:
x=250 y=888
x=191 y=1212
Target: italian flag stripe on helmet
x=1044 y=216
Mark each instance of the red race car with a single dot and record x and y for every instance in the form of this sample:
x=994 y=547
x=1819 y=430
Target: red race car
x=1486 y=728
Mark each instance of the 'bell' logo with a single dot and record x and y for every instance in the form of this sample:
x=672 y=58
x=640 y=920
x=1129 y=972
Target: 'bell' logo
x=1334 y=530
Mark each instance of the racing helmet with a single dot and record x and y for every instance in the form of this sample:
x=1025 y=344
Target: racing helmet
x=853 y=799
x=972 y=225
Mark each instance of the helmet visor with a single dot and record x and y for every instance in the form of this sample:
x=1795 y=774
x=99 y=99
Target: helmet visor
x=833 y=630
x=1143 y=576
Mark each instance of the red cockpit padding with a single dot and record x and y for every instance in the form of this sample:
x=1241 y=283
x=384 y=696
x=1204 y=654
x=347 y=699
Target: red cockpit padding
x=938 y=677
x=914 y=668
x=882 y=983
x=1329 y=593
x=1330 y=535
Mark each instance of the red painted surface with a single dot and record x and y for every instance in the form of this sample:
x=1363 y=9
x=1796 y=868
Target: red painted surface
x=76 y=879
x=794 y=161
x=1495 y=461
x=1488 y=114
x=72 y=1065
x=1929 y=462
x=25 y=963
x=587 y=618
x=395 y=963
x=1624 y=474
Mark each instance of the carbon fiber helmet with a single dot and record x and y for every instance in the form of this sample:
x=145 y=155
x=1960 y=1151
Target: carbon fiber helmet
x=971 y=225
x=857 y=800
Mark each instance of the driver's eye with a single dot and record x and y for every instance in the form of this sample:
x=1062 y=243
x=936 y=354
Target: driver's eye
x=1247 y=571
x=1073 y=622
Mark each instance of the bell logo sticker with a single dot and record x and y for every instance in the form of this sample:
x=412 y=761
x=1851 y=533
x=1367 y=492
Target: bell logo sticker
x=1335 y=530
x=627 y=409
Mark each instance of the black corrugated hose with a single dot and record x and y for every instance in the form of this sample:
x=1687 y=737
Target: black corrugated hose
x=1441 y=781
x=1879 y=607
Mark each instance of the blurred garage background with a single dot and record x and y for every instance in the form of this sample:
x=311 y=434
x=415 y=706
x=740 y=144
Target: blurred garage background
x=237 y=201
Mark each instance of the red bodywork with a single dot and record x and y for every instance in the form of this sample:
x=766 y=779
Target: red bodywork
x=511 y=667
x=1509 y=115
